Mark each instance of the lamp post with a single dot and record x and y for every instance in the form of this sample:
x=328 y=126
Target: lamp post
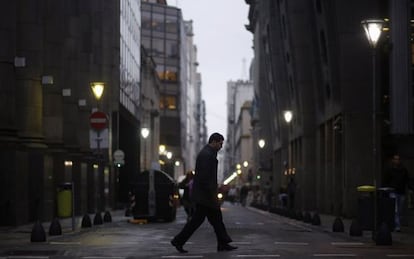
x=97 y=90
x=288 y=116
x=145 y=133
x=373 y=29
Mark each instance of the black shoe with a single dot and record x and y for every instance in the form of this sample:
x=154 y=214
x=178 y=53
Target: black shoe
x=178 y=247
x=226 y=247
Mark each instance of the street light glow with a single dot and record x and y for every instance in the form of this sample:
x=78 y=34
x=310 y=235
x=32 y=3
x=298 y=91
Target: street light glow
x=230 y=178
x=97 y=89
x=288 y=115
x=145 y=132
x=261 y=143
x=161 y=149
x=373 y=29
x=245 y=164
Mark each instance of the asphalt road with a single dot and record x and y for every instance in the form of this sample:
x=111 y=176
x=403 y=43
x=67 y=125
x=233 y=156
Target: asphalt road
x=258 y=234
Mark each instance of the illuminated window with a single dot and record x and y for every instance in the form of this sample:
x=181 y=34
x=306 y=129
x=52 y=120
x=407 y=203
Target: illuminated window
x=168 y=102
x=167 y=75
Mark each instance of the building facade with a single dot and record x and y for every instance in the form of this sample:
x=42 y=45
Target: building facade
x=51 y=55
x=238 y=145
x=312 y=58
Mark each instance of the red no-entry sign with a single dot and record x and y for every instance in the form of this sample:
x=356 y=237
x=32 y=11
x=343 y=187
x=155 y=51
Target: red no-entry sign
x=98 y=120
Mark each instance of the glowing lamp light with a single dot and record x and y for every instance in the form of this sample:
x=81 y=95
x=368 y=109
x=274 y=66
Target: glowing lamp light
x=261 y=143
x=97 y=89
x=161 y=149
x=373 y=29
x=245 y=164
x=145 y=132
x=288 y=116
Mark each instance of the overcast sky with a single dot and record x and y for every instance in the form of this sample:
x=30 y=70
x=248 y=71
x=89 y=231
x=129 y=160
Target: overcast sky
x=222 y=43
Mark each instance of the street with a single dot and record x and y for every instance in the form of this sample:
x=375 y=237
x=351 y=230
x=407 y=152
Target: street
x=258 y=234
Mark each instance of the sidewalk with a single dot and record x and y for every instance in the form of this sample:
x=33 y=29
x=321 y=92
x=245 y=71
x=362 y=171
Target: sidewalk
x=405 y=238
x=22 y=234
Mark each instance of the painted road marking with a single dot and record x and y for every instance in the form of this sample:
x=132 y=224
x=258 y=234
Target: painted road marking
x=292 y=243
x=334 y=255
x=182 y=256
x=347 y=244
x=169 y=243
x=401 y=255
x=64 y=243
x=27 y=256
x=241 y=243
x=256 y=256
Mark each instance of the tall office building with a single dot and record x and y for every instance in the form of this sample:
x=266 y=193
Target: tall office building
x=169 y=41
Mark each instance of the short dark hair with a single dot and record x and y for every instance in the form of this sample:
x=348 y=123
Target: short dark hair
x=217 y=137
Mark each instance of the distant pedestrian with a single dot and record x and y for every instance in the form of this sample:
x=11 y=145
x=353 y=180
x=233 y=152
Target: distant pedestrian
x=232 y=194
x=204 y=195
x=396 y=177
x=291 y=191
x=244 y=191
x=186 y=185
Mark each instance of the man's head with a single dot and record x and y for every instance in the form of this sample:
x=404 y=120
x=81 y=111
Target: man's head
x=216 y=141
x=396 y=159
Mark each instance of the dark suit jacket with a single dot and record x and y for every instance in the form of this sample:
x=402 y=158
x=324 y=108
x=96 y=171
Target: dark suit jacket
x=205 y=178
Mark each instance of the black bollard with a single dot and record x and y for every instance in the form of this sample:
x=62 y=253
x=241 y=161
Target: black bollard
x=38 y=233
x=316 y=219
x=55 y=229
x=307 y=217
x=97 y=220
x=384 y=237
x=107 y=217
x=338 y=225
x=355 y=229
x=299 y=215
x=86 y=221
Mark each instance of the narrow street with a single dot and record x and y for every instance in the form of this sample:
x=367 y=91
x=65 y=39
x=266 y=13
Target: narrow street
x=258 y=234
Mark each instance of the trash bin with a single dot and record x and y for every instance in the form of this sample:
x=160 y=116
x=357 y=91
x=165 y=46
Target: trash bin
x=366 y=206
x=64 y=200
x=386 y=207
x=384 y=204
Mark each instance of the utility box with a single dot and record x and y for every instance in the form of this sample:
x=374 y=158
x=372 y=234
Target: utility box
x=64 y=200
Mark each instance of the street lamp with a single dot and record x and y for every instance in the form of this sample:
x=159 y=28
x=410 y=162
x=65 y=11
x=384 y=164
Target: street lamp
x=288 y=116
x=145 y=133
x=261 y=143
x=373 y=29
x=97 y=89
x=245 y=164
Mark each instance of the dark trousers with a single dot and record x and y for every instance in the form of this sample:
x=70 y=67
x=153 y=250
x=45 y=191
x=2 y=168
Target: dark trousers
x=214 y=217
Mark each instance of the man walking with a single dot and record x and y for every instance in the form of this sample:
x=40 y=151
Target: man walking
x=204 y=195
x=396 y=177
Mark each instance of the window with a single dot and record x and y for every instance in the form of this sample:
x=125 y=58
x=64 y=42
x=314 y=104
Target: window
x=168 y=102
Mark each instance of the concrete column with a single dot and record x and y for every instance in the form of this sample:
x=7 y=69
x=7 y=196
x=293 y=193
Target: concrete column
x=401 y=82
x=29 y=44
